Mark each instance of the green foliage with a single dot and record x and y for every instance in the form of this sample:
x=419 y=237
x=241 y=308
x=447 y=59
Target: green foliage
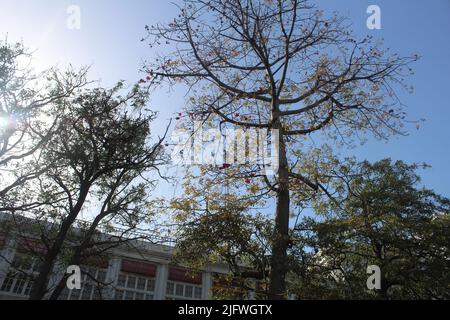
x=383 y=218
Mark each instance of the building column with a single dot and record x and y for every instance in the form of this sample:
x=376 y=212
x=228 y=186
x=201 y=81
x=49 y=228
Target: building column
x=251 y=294
x=206 y=286
x=111 y=277
x=162 y=274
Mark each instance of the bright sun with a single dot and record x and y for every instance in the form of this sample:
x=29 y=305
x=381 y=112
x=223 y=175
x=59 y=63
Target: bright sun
x=3 y=123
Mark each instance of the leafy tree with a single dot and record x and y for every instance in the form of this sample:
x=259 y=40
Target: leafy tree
x=279 y=66
x=214 y=226
x=382 y=218
x=24 y=127
x=100 y=163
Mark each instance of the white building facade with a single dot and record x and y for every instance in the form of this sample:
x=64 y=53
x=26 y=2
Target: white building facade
x=144 y=272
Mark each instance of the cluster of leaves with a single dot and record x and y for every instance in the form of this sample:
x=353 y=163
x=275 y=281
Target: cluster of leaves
x=216 y=224
x=382 y=219
x=380 y=216
x=71 y=149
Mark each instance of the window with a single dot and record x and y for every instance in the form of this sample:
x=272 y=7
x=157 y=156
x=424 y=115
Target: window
x=122 y=280
x=20 y=276
x=188 y=291
x=134 y=287
x=183 y=291
x=170 y=288
x=179 y=289
x=92 y=286
x=198 y=293
x=184 y=284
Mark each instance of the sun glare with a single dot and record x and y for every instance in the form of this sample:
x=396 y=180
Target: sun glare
x=3 y=123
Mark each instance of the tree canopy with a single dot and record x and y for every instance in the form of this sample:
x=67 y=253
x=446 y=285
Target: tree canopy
x=283 y=67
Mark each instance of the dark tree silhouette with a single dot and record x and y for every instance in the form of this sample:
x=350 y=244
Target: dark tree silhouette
x=99 y=159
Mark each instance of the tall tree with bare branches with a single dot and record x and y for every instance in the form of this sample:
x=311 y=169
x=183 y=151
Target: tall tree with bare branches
x=280 y=65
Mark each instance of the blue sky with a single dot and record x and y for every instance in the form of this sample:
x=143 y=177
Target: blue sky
x=111 y=30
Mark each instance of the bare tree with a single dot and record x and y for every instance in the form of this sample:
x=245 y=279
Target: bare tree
x=280 y=64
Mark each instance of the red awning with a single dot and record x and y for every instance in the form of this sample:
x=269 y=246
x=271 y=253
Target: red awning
x=225 y=281
x=143 y=268
x=98 y=261
x=183 y=275
x=32 y=246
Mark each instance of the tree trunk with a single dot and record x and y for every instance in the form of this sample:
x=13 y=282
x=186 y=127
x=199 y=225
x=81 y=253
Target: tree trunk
x=277 y=286
x=40 y=284
x=76 y=257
